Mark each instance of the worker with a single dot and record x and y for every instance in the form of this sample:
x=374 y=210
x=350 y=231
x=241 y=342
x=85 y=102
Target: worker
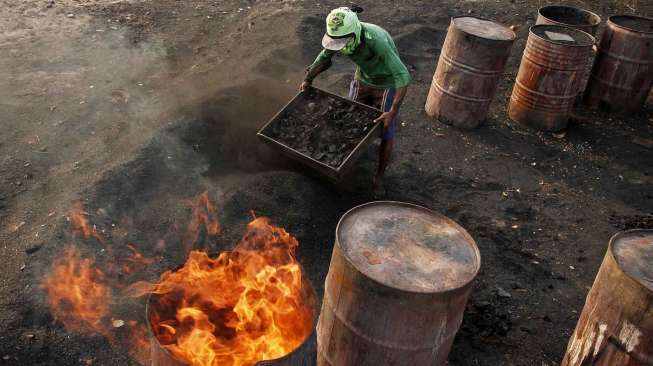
x=381 y=79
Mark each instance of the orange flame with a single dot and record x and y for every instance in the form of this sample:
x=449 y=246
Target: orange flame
x=242 y=307
x=80 y=223
x=203 y=215
x=76 y=295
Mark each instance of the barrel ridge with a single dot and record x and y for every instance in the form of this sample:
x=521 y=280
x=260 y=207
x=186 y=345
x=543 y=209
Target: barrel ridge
x=546 y=54
x=622 y=75
x=461 y=97
x=376 y=341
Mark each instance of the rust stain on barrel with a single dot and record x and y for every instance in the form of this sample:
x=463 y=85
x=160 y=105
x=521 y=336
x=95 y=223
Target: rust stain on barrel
x=550 y=76
x=397 y=286
x=470 y=66
x=616 y=325
x=622 y=75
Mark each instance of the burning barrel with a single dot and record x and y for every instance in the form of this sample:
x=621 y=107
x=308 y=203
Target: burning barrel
x=622 y=75
x=249 y=306
x=397 y=286
x=616 y=325
x=550 y=76
x=470 y=66
x=569 y=16
x=304 y=355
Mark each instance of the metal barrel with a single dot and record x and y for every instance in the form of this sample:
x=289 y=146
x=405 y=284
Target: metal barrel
x=550 y=76
x=469 y=69
x=622 y=75
x=570 y=16
x=616 y=325
x=398 y=282
x=304 y=355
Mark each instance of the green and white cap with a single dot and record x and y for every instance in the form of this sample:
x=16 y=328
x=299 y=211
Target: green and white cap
x=342 y=25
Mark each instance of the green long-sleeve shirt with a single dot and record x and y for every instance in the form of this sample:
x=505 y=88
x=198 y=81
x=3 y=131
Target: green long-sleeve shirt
x=377 y=60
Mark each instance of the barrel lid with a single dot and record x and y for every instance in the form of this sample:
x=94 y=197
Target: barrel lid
x=563 y=35
x=484 y=28
x=633 y=251
x=408 y=247
x=633 y=23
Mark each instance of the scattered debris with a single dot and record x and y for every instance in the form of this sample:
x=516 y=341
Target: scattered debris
x=526 y=329
x=33 y=248
x=117 y=323
x=648 y=143
x=503 y=293
x=18 y=226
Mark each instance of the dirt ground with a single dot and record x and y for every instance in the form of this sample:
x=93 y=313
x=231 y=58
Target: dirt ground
x=135 y=107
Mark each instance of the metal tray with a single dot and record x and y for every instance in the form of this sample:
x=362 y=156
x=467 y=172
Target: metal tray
x=332 y=173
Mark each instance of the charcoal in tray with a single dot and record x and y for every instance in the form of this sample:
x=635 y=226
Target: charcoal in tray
x=324 y=128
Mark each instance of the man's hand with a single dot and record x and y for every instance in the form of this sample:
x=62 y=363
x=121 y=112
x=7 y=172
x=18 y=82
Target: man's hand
x=304 y=85
x=386 y=118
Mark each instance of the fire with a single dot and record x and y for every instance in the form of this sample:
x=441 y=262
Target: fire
x=236 y=309
x=80 y=291
x=204 y=216
x=80 y=223
x=244 y=306
x=76 y=294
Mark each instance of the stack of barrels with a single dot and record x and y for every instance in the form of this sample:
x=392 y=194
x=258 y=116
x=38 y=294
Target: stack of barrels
x=561 y=64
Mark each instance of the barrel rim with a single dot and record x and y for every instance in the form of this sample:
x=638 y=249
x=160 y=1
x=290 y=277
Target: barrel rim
x=612 y=254
x=591 y=37
x=611 y=21
x=597 y=18
x=316 y=315
x=457 y=226
x=512 y=32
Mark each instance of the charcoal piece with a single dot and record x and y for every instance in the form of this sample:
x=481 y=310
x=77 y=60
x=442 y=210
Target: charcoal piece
x=322 y=127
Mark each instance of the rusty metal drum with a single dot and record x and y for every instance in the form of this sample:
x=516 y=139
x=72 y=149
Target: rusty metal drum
x=550 y=76
x=569 y=16
x=398 y=282
x=622 y=75
x=616 y=325
x=469 y=69
x=573 y=17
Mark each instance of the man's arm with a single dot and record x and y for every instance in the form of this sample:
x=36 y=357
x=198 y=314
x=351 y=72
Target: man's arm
x=322 y=63
x=387 y=117
x=400 y=75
